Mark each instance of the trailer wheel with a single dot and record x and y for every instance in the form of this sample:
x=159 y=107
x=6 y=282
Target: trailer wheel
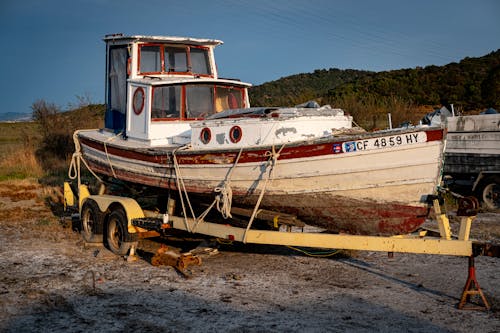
x=491 y=193
x=91 y=218
x=118 y=239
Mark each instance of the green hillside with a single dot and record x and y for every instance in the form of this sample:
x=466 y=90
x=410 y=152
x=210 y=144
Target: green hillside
x=471 y=85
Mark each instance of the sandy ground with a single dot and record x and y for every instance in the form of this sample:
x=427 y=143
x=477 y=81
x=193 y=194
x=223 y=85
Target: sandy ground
x=50 y=281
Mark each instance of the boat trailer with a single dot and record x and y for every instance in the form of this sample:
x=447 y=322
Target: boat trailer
x=140 y=224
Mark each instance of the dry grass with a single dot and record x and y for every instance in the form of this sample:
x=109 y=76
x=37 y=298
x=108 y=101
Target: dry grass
x=20 y=163
x=41 y=149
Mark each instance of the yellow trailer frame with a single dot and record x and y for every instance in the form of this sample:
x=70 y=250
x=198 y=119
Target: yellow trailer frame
x=419 y=242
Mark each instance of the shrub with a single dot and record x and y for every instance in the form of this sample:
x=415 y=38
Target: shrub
x=57 y=128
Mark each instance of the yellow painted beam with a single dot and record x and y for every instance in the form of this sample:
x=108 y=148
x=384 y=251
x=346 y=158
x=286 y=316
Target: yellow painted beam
x=443 y=222
x=332 y=241
x=367 y=243
x=465 y=224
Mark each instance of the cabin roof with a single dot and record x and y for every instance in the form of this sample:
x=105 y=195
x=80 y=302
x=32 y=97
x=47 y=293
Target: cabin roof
x=159 y=80
x=122 y=39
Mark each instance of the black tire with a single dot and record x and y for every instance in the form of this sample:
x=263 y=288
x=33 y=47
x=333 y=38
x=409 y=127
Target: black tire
x=119 y=241
x=91 y=222
x=490 y=193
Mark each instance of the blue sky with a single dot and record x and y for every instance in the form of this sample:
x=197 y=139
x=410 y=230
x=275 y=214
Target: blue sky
x=53 y=49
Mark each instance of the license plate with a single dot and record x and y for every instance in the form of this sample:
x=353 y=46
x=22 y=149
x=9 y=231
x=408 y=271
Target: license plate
x=384 y=142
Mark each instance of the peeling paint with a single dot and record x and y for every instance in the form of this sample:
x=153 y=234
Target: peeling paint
x=221 y=138
x=284 y=130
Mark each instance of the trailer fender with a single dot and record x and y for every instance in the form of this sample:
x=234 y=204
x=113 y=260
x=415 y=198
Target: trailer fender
x=482 y=175
x=69 y=196
x=108 y=203
x=83 y=193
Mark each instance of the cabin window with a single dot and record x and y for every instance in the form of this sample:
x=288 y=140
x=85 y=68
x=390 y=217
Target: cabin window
x=199 y=61
x=162 y=59
x=228 y=98
x=166 y=102
x=175 y=59
x=199 y=101
x=150 y=59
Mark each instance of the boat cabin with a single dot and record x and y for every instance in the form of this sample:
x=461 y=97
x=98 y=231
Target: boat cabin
x=157 y=85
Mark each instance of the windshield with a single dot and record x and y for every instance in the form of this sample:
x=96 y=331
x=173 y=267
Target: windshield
x=194 y=101
x=163 y=59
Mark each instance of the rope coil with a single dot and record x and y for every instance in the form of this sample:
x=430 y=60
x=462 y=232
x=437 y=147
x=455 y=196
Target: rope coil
x=77 y=157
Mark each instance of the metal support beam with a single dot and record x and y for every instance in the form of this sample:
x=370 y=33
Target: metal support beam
x=406 y=244
x=443 y=222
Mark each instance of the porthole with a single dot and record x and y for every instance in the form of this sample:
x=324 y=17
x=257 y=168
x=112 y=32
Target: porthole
x=205 y=135
x=235 y=134
x=138 y=101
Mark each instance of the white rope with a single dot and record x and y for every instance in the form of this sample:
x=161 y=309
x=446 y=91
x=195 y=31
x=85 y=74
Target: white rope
x=224 y=199
x=182 y=188
x=273 y=160
x=107 y=157
x=74 y=166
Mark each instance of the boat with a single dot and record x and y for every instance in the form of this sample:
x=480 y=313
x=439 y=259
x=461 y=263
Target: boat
x=173 y=125
x=472 y=156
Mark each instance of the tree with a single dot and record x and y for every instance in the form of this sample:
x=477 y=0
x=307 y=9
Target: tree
x=490 y=88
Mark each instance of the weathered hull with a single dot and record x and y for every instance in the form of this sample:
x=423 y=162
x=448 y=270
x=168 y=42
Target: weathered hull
x=363 y=184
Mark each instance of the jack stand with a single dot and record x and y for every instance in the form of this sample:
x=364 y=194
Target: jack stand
x=132 y=256
x=472 y=288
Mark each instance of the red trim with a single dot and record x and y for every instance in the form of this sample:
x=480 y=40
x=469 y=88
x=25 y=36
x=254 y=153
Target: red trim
x=139 y=58
x=139 y=89
x=205 y=138
x=163 y=158
x=232 y=137
x=164 y=119
x=163 y=69
x=214 y=157
x=434 y=135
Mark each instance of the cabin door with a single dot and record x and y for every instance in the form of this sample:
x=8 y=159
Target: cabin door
x=116 y=87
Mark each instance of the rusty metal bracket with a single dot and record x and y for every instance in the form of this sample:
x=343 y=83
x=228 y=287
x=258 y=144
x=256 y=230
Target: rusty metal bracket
x=472 y=288
x=166 y=256
x=467 y=206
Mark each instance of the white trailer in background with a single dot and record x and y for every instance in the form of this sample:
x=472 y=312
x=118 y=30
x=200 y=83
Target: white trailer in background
x=472 y=157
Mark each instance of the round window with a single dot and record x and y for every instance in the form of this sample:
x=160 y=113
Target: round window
x=235 y=134
x=138 y=101
x=205 y=135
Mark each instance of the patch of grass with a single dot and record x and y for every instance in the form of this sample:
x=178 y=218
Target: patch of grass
x=17 y=151
x=44 y=222
x=20 y=164
x=14 y=136
x=42 y=149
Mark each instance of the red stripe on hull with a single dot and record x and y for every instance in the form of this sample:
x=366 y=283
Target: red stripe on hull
x=184 y=157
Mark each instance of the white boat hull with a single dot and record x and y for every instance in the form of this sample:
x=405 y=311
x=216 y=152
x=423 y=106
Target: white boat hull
x=364 y=184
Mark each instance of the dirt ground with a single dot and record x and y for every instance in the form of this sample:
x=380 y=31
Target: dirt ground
x=50 y=281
